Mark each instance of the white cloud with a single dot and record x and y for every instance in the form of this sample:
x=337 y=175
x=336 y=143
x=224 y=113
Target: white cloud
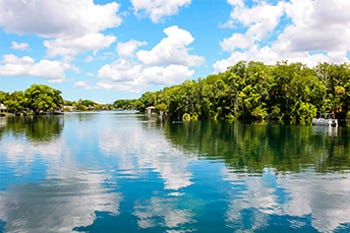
x=167 y=63
x=269 y=56
x=90 y=74
x=75 y=25
x=83 y=85
x=237 y=40
x=156 y=10
x=127 y=49
x=57 y=18
x=308 y=37
x=130 y=76
x=19 y=46
x=168 y=75
x=315 y=26
x=261 y=18
x=121 y=70
x=264 y=54
x=52 y=71
x=68 y=47
x=171 y=50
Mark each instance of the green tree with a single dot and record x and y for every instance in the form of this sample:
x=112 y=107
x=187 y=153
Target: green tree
x=125 y=104
x=336 y=78
x=3 y=96
x=16 y=102
x=254 y=91
x=42 y=98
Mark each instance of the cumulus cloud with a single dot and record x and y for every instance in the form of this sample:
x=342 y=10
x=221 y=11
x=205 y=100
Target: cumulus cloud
x=83 y=85
x=171 y=50
x=167 y=63
x=76 y=25
x=120 y=70
x=168 y=75
x=156 y=10
x=315 y=24
x=265 y=54
x=19 y=46
x=261 y=19
x=131 y=76
x=70 y=47
x=127 y=49
x=298 y=30
x=52 y=71
x=237 y=40
x=57 y=18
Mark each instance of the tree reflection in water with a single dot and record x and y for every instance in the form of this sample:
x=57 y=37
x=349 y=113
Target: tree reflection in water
x=251 y=148
x=35 y=128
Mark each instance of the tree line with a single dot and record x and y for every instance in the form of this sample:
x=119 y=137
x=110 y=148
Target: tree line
x=252 y=90
x=37 y=99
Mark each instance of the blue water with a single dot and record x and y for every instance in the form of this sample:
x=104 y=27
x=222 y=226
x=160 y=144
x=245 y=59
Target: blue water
x=126 y=172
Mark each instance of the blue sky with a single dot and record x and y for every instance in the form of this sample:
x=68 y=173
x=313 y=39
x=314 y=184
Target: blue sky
x=106 y=50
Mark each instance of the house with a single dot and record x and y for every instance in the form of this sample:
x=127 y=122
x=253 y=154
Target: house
x=151 y=110
x=3 y=109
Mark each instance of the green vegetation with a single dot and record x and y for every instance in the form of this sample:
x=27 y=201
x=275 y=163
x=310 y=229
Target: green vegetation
x=125 y=104
x=37 y=99
x=86 y=105
x=249 y=91
x=254 y=91
x=42 y=98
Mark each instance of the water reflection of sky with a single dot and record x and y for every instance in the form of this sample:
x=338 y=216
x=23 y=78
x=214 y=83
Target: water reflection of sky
x=112 y=173
x=45 y=190
x=144 y=148
x=322 y=199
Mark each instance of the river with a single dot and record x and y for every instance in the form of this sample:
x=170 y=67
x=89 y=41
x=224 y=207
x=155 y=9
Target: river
x=126 y=172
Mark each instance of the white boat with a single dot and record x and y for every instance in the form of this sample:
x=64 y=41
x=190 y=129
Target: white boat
x=326 y=119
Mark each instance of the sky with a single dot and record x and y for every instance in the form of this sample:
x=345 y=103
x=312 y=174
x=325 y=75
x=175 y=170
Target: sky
x=104 y=50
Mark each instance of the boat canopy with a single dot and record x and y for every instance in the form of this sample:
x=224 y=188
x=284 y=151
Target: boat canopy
x=327 y=115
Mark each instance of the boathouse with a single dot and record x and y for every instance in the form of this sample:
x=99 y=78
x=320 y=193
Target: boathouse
x=3 y=110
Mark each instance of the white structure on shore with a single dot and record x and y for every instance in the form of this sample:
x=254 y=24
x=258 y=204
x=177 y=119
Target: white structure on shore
x=327 y=119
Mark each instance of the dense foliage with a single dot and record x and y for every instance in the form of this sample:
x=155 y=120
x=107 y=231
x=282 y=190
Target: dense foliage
x=254 y=91
x=247 y=91
x=86 y=105
x=125 y=104
x=37 y=98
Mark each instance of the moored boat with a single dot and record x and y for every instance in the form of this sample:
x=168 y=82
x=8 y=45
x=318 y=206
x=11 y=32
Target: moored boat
x=326 y=119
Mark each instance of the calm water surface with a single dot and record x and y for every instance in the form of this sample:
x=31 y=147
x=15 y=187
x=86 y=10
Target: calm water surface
x=123 y=172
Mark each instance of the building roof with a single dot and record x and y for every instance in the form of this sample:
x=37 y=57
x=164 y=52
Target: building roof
x=2 y=107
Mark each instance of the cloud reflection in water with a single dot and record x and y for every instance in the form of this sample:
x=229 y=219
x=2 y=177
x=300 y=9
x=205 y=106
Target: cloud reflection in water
x=140 y=149
x=67 y=197
x=321 y=199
